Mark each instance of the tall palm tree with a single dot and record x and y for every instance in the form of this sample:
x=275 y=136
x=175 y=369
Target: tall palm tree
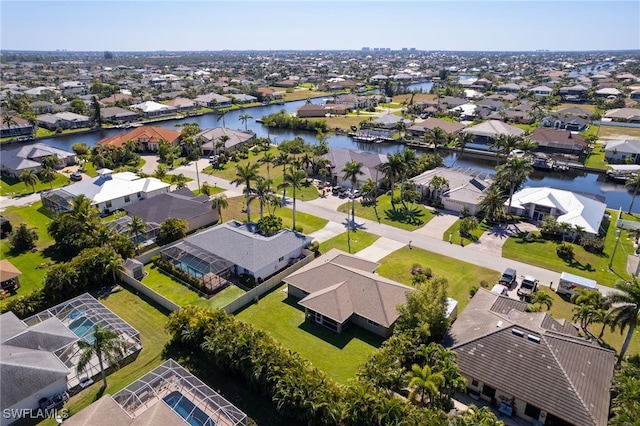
x=221 y=113
x=492 y=204
x=8 y=120
x=625 y=312
x=50 y=161
x=221 y=143
x=244 y=118
x=462 y=140
x=30 y=179
x=295 y=179
x=137 y=226
x=263 y=193
x=245 y=174
x=633 y=182
x=436 y=136
x=106 y=346
x=268 y=159
x=283 y=159
x=526 y=144
x=351 y=171
x=179 y=180
x=438 y=183
x=410 y=162
x=218 y=203
x=392 y=170
x=541 y=298
x=512 y=174
x=424 y=382
x=48 y=175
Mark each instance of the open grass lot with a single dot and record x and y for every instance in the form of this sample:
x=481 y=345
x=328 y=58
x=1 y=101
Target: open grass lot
x=180 y=294
x=343 y=122
x=383 y=212
x=16 y=188
x=359 y=240
x=590 y=265
x=300 y=93
x=596 y=159
x=586 y=107
x=338 y=355
x=417 y=97
x=613 y=132
x=455 y=235
x=461 y=275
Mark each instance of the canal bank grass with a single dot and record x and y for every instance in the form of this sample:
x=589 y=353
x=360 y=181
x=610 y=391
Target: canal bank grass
x=455 y=234
x=339 y=355
x=343 y=122
x=382 y=211
x=542 y=253
x=461 y=276
x=359 y=241
x=10 y=187
x=300 y=93
x=613 y=132
x=596 y=159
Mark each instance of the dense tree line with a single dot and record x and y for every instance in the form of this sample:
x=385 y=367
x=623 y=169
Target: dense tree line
x=283 y=120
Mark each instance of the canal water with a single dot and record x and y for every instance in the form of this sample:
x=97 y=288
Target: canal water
x=617 y=196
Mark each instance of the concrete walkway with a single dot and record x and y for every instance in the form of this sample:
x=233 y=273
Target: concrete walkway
x=436 y=227
x=331 y=229
x=380 y=248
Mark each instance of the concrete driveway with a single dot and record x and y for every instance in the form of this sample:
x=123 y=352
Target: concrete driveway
x=330 y=230
x=379 y=249
x=494 y=238
x=437 y=225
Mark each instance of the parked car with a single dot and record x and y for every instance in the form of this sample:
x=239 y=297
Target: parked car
x=528 y=286
x=75 y=176
x=499 y=289
x=85 y=382
x=508 y=278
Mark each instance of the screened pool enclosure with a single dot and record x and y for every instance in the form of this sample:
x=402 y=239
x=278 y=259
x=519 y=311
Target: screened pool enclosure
x=212 y=270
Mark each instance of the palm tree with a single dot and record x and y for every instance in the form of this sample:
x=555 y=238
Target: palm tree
x=512 y=174
x=438 y=183
x=267 y=159
x=626 y=310
x=221 y=142
x=351 y=171
x=392 y=170
x=423 y=382
x=106 y=346
x=578 y=232
x=461 y=142
x=221 y=113
x=526 y=144
x=179 y=180
x=263 y=193
x=218 y=203
x=245 y=174
x=436 y=136
x=48 y=175
x=634 y=182
x=244 y=118
x=29 y=178
x=50 y=161
x=492 y=205
x=8 y=120
x=283 y=160
x=410 y=162
x=541 y=298
x=137 y=226
x=295 y=179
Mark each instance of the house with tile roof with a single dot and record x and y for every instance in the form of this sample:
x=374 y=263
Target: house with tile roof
x=339 y=289
x=529 y=364
x=559 y=141
x=147 y=137
x=419 y=129
x=371 y=165
x=213 y=143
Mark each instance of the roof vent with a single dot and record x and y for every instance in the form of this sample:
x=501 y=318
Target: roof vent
x=517 y=332
x=533 y=338
x=499 y=324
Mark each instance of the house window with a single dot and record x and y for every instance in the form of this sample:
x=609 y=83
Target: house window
x=108 y=204
x=474 y=383
x=488 y=391
x=373 y=323
x=281 y=259
x=139 y=194
x=127 y=198
x=532 y=411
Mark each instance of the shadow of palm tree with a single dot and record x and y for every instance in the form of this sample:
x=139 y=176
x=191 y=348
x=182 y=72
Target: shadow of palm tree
x=408 y=215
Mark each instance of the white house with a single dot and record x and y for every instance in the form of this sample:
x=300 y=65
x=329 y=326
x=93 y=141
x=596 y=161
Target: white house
x=108 y=191
x=154 y=109
x=623 y=151
x=575 y=209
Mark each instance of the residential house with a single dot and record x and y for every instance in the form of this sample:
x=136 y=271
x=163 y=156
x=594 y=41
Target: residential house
x=221 y=139
x=541 y=90
x=213 y=100
x=635 y=95
x=559 y=141
x=116 y=97
x=576 y=93
x=181 y=104
x=485 y=133
x=108 y=191
x=182 y=204
x=419 y=129
x=17 y=127
x=147 y=138
x=512 y=115
x=508 y=88
x=371 y=165
x=463 y=189
x=339 y=289
x=609 y=92
x=19 y=158
x=449 y=102
x=575 y=111
x=118 y=115
x=570 y=207
x=73 y=88
x=562 y=378
x=623 y=151
x=9 y=276
x=64 y=120
x=150 y=109
x=167 y=395
x=387 y=121
x=312 y=110
x=235 y=248
x=568 y=122
x=492 y=104
x=244 y=99
x=45 y=107
x=631 y=115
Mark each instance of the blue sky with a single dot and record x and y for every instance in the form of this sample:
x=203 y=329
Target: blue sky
x=308 y=25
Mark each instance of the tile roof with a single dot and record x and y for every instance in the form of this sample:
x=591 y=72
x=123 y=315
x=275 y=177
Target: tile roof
x=493 y=128
x=370 y=162
x=149 y=133
x=8 y=271
x=177 y=204
x=431 y=123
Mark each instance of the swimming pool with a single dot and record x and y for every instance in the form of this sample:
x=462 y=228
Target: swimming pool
x=83 y=328
x=187 y=410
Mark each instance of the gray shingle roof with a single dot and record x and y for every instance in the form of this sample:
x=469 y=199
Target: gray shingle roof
x=48 y=335
x=175 y=204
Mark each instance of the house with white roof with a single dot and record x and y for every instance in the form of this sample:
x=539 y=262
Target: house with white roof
x=154 y=109
x=108 y=191
x=623 y=151
x=576 y=209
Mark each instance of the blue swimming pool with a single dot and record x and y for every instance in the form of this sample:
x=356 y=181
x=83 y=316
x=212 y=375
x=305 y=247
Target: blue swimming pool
x=187 y=410
x=83 y=328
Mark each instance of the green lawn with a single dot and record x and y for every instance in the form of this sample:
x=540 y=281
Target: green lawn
x=461 y=275
x=526 y=127
x=384 y=213
x=614 y=132
x=359 y=240
x=182 y=295
x=338 y=355
x=455 y=235
x=16 y=188
x=596 y=159
x=590 y=265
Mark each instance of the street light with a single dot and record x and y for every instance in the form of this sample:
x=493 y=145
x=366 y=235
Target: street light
x=615 y=247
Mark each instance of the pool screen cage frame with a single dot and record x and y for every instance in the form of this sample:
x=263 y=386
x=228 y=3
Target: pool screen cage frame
x=171 y=376
x=86 y=307
x=214 y=271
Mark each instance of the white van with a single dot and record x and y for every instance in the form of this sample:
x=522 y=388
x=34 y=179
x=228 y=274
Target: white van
x=570 y=284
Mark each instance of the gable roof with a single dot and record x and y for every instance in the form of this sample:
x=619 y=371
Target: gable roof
x=631 y=146
x=8 y=271
x=147 y=133
x=554 y=138
x=464 y=185
x=180 y=204
x=565 y=375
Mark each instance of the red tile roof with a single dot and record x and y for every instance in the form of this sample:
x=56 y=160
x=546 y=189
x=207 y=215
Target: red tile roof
x=149 y=133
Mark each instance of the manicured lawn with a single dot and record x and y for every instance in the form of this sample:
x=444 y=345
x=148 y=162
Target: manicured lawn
x=343 y=122
x=417 y=97
x=590 y=265
x=526 y=127
x=383 y=212
x=461 y=275
x=182 y=295
x=596 y=159
x=611 y=132
x=455 y=235
x=338 y=355
x=301 y=93
x=16 y=188
x=591 y=130
x=590 y=108
x=359 y=240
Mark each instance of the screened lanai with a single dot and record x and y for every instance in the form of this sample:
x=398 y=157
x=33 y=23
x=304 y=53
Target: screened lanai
x=122 y=225
x=212 y=270
x=81 y=314
x=57 y=200
x=188 y=396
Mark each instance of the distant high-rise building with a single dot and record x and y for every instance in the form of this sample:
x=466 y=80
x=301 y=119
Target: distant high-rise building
x=366 y=49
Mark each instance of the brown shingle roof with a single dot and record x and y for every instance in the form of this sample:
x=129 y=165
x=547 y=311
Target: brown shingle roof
x=449 y=127
x=8 y=271
x=148 y=133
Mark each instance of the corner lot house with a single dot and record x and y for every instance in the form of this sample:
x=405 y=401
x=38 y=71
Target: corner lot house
x=108 y=191
x=531 y=365
x=623 y=151
x=573 y=208
x=338 y=289
x=147 y=137
x=17 y=159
